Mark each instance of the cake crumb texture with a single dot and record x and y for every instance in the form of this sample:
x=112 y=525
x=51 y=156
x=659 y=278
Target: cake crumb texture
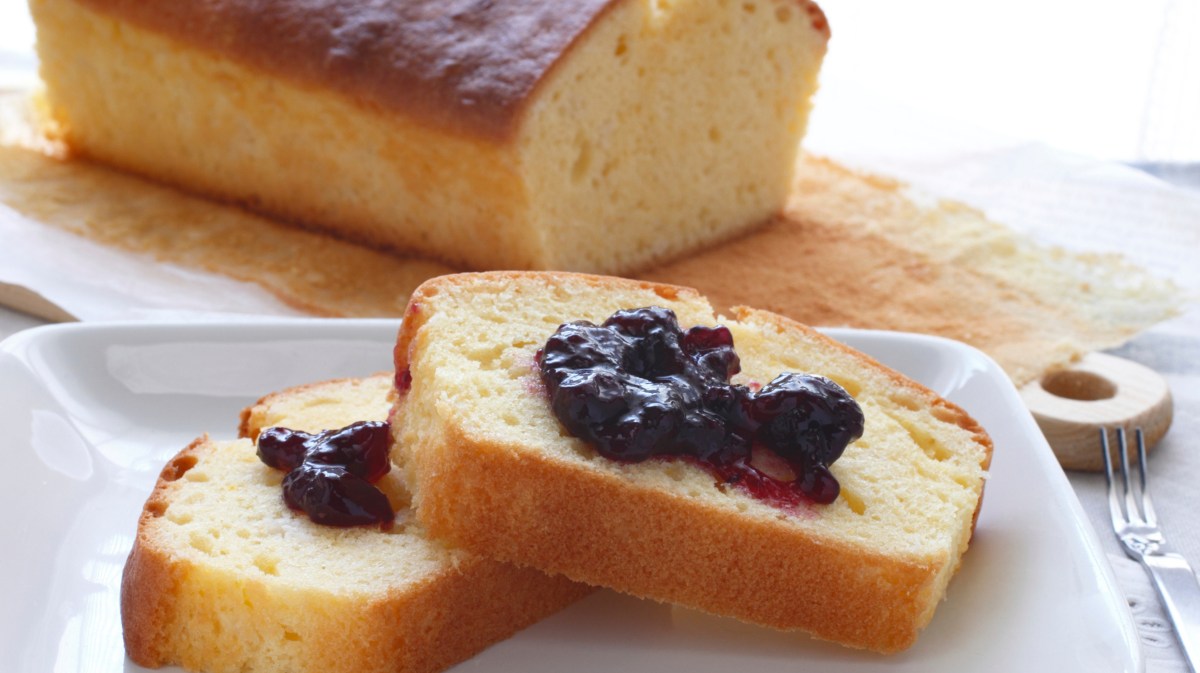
x=493 y=471
x=223 y=577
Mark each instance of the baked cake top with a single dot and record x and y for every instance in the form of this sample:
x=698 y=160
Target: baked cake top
x=462 y=65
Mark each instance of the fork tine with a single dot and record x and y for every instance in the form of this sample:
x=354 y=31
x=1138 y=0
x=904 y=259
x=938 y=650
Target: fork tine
x=1133 y=513
x=1114 y=501
x=1147 y=505
x=1174 y=580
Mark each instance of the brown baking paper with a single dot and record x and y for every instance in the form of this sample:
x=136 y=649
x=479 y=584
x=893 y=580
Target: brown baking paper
x=852 y=249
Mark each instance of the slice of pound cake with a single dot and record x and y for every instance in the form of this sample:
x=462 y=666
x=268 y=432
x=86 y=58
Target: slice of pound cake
x=224 y=577
x=592 y=135
x=567 y=423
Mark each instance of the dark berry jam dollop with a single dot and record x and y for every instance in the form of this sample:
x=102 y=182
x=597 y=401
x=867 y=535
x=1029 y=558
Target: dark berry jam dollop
x=331 y=475
x=638 y=386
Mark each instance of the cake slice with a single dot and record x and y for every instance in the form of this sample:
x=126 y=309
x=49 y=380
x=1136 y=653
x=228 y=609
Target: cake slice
x=592 y=135
x=494 y=471
x=224 y=577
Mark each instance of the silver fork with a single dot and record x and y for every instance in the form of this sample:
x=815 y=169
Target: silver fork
x=1137 y=529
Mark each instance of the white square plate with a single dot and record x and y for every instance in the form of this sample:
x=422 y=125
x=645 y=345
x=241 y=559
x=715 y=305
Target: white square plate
x=89 y=413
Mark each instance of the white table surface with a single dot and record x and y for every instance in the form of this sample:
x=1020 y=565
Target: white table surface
x=1111 y=80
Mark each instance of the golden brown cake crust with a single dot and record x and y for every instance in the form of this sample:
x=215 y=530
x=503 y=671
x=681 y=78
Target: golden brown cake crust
x=464 y=65
x=686 y=554
x=150 y=581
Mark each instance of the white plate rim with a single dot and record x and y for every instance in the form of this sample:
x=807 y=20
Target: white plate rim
x=24 y=345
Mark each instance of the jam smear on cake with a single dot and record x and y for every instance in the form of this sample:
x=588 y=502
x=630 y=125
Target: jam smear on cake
x=403 y=381
x=331 y=475
x=638 y=386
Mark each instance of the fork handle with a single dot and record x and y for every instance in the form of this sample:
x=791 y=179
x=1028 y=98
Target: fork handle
x=1179 y=590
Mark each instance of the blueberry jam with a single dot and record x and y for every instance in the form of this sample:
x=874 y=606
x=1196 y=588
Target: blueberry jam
x=638 y=386
x=331 y=475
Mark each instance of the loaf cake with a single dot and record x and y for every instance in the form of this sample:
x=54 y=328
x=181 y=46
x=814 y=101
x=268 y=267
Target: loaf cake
x=476 y=428
x=595 y=135
x=224 y=577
